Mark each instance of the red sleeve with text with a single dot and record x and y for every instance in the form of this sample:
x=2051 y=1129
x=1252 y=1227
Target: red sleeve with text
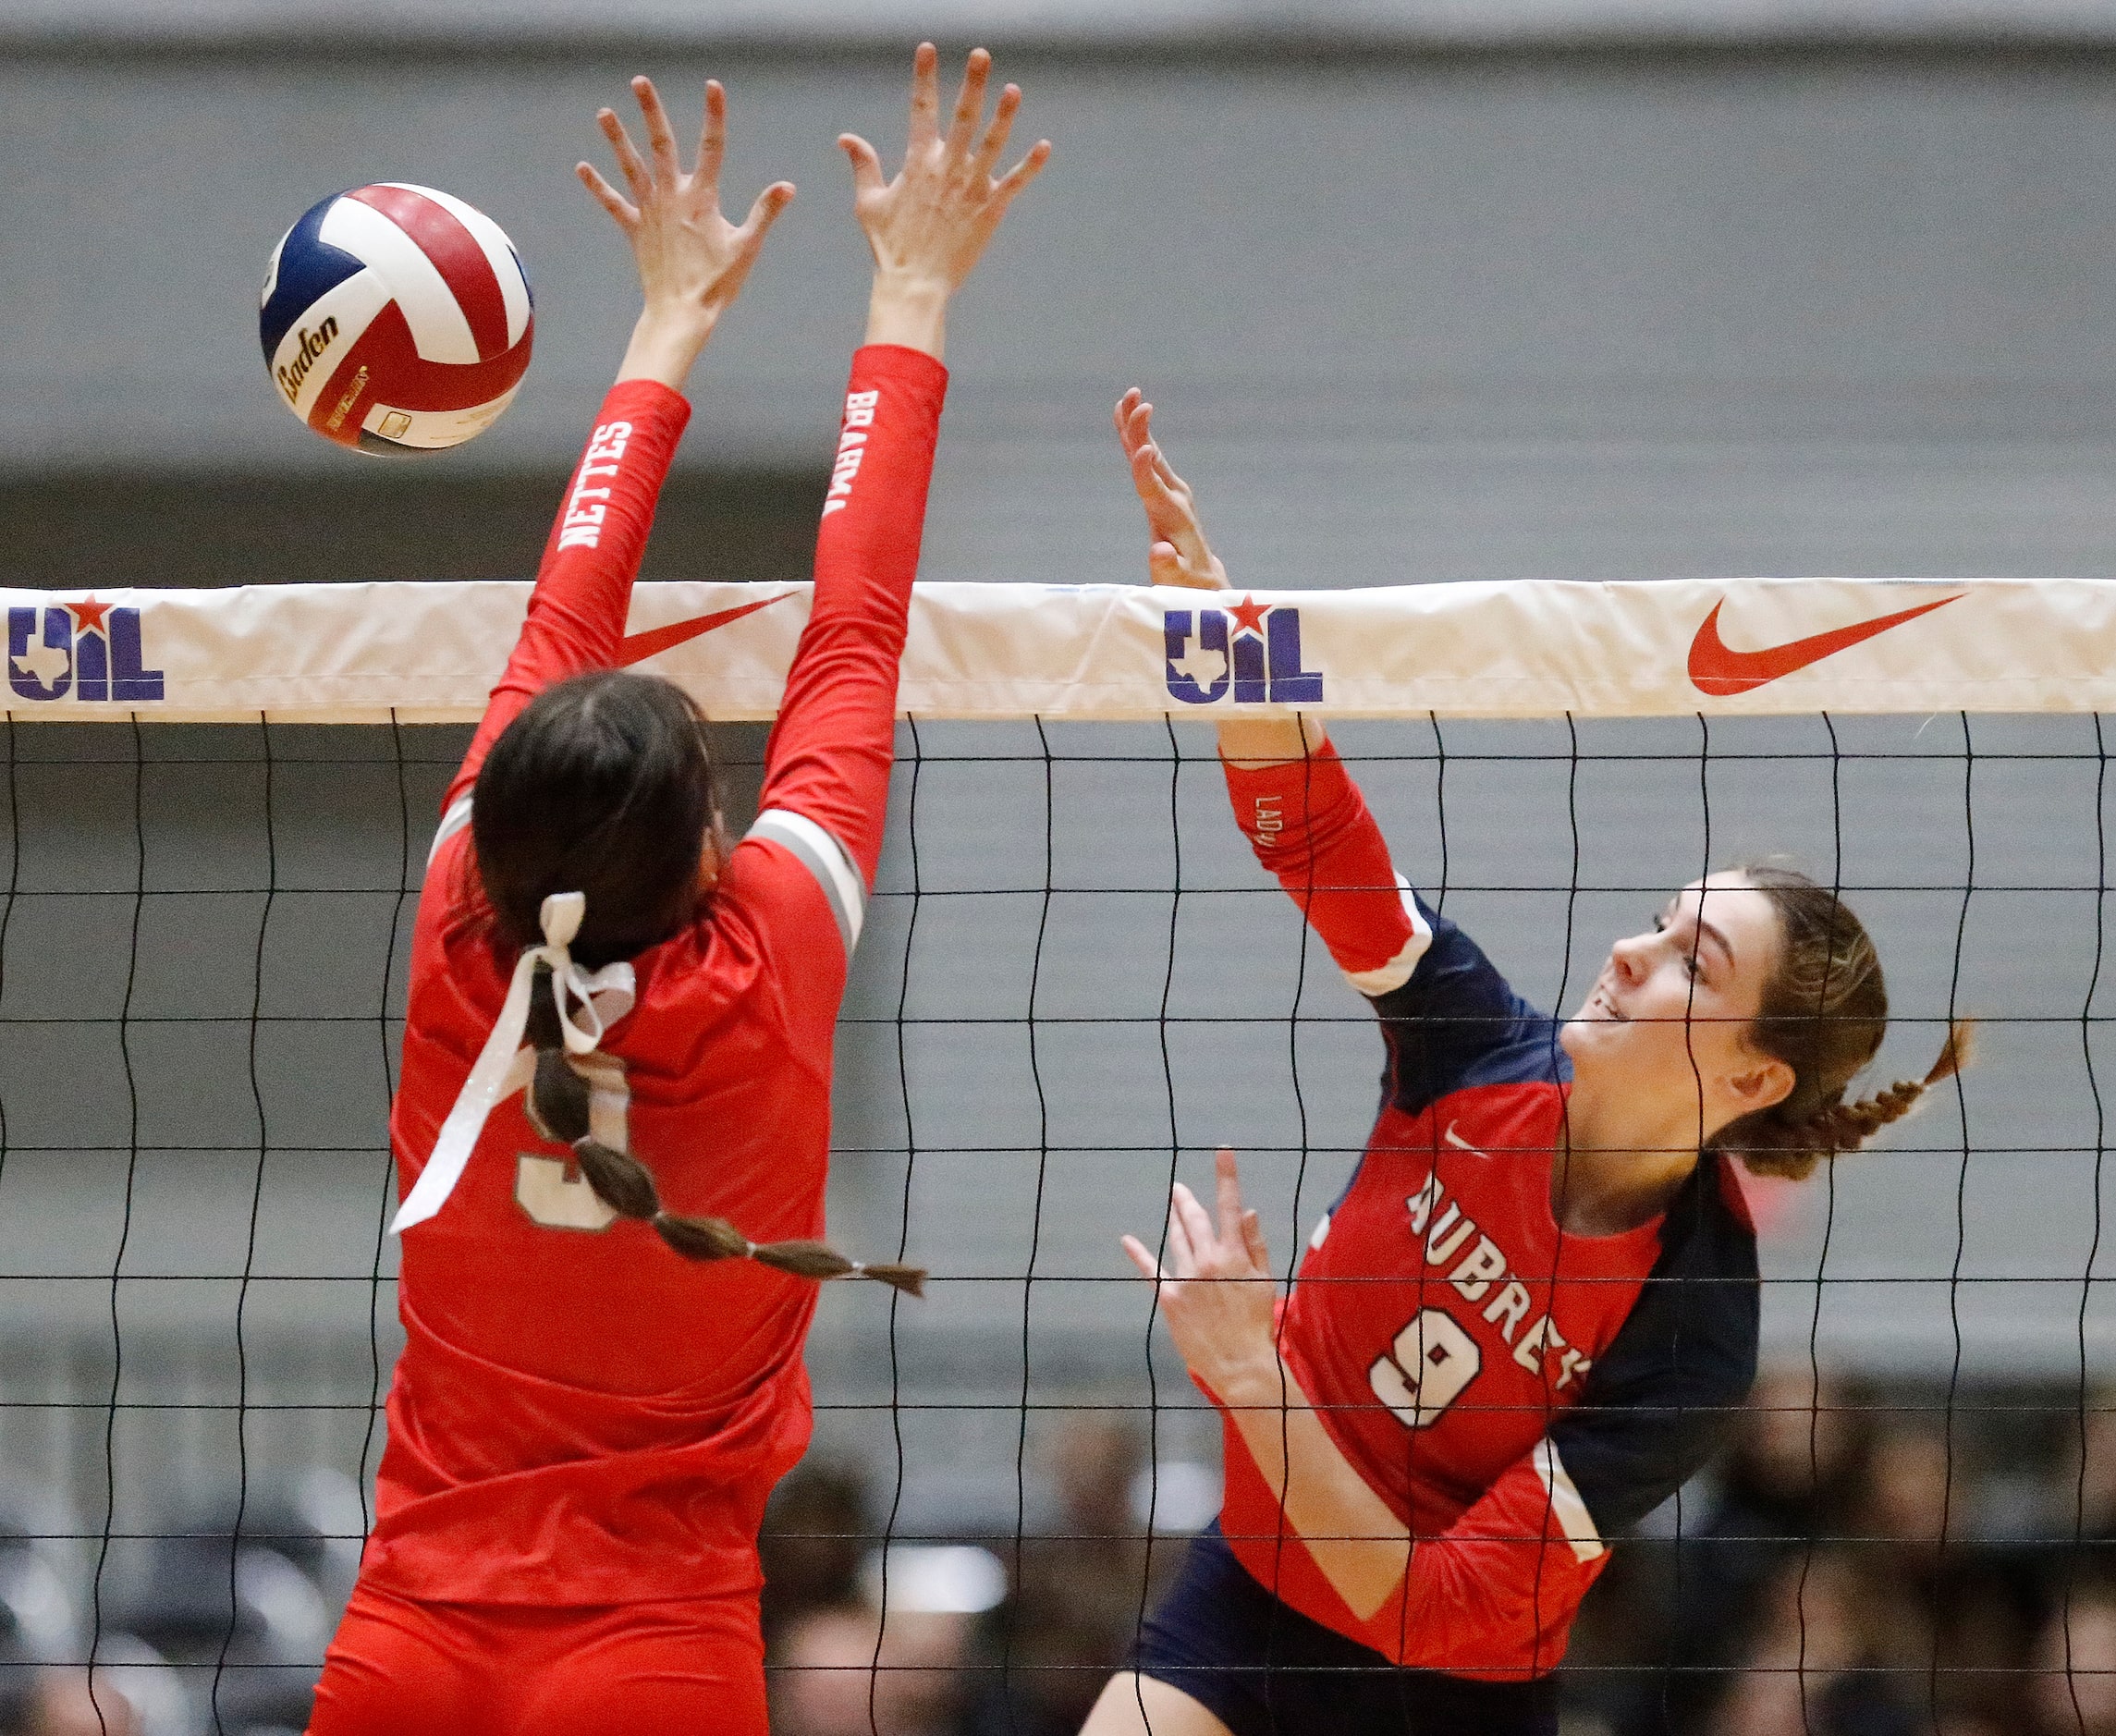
x=584 y=583
x=835 y=739
x=1310 y=828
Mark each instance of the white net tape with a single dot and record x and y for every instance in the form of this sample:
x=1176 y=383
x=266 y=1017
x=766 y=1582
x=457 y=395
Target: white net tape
x=430 y=653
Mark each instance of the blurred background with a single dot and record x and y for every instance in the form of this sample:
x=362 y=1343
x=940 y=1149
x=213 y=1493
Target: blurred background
x=1519 y=289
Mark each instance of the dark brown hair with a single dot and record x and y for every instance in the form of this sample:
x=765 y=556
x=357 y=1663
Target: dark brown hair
x=602 y=786
x=1824 y=1013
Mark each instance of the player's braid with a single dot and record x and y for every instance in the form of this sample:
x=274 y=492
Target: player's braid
x=557 y=1100
x=1823 y=1014
x=1847 y=1125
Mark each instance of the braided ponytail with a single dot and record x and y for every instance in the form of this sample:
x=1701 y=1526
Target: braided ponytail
x=558 y=1105
x=1823 y=1014
x=1848 y=1126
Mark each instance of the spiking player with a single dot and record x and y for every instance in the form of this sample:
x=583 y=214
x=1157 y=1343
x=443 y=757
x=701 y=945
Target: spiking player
x=584 y=1425
x=1522 y=1323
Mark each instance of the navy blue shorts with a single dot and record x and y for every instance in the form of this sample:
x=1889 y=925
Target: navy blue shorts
x=1264 y=1668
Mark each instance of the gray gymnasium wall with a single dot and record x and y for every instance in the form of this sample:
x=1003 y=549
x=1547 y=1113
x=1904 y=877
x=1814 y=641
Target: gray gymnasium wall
x=1408 y=317
x=1411 y=316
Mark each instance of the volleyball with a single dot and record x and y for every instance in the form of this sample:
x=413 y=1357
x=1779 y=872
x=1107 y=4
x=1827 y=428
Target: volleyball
x=396 y=318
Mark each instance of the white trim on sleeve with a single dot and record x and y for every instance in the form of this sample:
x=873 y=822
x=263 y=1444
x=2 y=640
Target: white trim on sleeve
x=1386 y=978
x=452 y=822
x=824 y=858
x=1571 y=1509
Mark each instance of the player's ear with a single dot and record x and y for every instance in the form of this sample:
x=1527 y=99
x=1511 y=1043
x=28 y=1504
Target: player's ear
x=712 y=854
x=1761 y=1081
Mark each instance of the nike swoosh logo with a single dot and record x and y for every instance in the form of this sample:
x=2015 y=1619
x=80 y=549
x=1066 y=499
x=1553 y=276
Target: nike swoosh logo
x=1459 y=1143
x=637 y=647
x=1717 y=669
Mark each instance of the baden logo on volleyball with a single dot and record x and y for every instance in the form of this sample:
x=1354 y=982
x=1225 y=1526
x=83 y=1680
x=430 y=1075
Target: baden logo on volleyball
x=87 y=650
x=305 y=353
x=396 y=319
x=1250 y=650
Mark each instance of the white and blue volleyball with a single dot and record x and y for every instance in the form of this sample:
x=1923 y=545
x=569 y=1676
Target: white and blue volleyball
x=396 y=319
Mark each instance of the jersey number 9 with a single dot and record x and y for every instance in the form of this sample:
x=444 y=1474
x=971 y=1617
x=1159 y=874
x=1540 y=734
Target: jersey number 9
x=1425 y=1369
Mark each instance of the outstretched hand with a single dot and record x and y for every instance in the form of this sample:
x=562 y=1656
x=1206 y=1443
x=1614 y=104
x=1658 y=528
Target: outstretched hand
x=928 y=227
x=1220 y=1299
x=692 y=261
x=1179 y=555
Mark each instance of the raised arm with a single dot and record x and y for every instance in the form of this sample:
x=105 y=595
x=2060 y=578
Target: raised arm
x=1311 y=829
x=830 y=752
x=1292 y=797
x=692 y=264
x=1441 y=1002
x=1180 y=556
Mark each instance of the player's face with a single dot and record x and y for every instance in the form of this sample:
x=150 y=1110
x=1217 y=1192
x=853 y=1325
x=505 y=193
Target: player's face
x=1670 y=1013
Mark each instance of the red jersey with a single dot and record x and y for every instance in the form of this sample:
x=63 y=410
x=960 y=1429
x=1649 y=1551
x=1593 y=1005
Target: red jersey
x=1512 y=1390
x=580 y=1415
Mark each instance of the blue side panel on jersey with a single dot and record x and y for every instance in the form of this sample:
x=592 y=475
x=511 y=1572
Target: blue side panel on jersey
x=307 y=268
x=1458 y=1023
x=1658 y=1402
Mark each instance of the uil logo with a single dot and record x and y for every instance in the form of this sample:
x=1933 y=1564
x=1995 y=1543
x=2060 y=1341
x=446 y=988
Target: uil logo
x=90 y=650
x=1254 y=648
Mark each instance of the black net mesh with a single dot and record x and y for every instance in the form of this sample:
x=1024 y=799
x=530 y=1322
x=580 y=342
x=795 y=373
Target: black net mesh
x=1074 y=985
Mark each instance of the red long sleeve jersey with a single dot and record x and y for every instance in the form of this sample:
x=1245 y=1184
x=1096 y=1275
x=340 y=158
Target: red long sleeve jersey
x=1513 y=1392
x=581 y=1416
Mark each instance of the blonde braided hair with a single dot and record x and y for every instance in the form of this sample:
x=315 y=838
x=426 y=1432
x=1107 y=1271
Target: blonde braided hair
x=1823 y=1014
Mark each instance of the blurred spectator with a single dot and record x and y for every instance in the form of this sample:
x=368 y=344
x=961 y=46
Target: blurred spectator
x=2079 y=1519
x=2073 y=1691
x=1791 y=1476
x=2084 y=1488
x=65 y=1704
x=1913 y=1502
x=1928 y=1568
x=1829 y=1658
x=837 y=1673
x=1909 y=1621
x=1084 y=1588
x=815 y=1534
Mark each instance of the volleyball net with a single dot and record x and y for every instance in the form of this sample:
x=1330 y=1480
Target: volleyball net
x=1074 y=985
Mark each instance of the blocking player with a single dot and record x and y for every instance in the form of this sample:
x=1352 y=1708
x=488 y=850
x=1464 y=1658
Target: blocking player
x=613 y=1121
x=1525 y=1319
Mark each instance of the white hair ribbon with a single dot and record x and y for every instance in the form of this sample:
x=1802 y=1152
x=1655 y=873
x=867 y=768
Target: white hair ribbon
x=600 y=998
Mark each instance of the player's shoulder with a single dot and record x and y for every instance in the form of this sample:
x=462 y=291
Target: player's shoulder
x=1700 y=1308
x=451 y=940
x=1708 y=1228
x=1454 y=979
x=1458 y=1025
x=1524 y=1060
x=786 y=850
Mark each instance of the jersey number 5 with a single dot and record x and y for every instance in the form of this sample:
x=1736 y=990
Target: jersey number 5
x=1425 y=1369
